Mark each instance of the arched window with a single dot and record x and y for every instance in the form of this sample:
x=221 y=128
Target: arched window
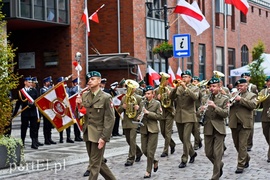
x=244 y=55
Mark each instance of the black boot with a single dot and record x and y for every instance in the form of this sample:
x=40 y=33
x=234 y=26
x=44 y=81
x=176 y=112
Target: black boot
x=50 y=138
x=34 y=144
x=69 y=140
x=38 y=143
x=61 y=137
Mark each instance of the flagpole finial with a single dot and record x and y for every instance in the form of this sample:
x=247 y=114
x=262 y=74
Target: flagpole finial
x=78 y=56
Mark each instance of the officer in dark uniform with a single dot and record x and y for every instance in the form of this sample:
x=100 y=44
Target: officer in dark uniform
x=27 y=95
x=47 y=126
x=69 y=140
x=103 y=84
x=73 y=90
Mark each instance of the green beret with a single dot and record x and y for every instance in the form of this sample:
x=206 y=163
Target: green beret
x=141 y=82
x=196 y=78
x=93 y=74
x=148 y=88
x=267 y=78
x=240 y=81
x=245 y=74
x=122 y=82
x=214 y=80
x=186 y=73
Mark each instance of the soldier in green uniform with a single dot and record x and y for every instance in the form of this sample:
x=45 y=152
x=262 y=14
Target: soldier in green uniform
x=129 y=127
x=214 y=110
x=98 y=125
x=185 y=95
x=168 y=112
x=140 y=90
x=241 y=115
x=150 y=112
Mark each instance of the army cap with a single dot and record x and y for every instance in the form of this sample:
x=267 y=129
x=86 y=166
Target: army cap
x=28 y=79
x=93 y=74
x=60 y=79
x=103 y=80
x=245 y=74
x=141 y=82
x=47 y=79
x=122 y=82
x=148 y=88
x=196 y=78
x=214 y=80
x=186 y=73
x=75 y=80
x=267 y=78
x=240 y=81
x=34 y=80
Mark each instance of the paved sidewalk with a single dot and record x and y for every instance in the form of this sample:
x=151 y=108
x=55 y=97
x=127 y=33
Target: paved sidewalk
x=69 y=161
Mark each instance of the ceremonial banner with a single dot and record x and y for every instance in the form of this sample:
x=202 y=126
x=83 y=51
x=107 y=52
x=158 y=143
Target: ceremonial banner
x=55 y=106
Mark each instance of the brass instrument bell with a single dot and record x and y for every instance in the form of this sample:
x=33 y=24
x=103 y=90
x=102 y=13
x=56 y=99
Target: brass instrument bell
x=218 y=74
x=130 y=99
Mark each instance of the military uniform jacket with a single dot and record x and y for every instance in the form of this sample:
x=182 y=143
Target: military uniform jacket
x=127 y=122
x=150 y=120
x=185 y=103
x=214 y=117
x=139 y=91
x=242 y=111
x=266 y=105
x=252 y=88
x=22 y=101
x=99 y=118
x=73 y=90
x=169 y=111
x=44 y=89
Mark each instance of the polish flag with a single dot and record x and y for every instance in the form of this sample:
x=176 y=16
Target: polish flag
x=178 y=74
x=84 y=18
x=198 y=26
x=140 y=73
x=185 y=8
x=153 y=76
x=172 y=76
x=241 y=5
x=94 y=16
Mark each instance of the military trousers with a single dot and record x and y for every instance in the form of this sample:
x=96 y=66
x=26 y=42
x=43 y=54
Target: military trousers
x=240 y=136
x=134 y=149
x=266 y=133
x=149 y=143
x=214 y=149
x=166 y=131
x=96 y=162
x=184 y=132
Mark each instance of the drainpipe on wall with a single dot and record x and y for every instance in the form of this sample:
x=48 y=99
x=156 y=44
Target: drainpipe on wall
x=213 y=36
x=118 y=26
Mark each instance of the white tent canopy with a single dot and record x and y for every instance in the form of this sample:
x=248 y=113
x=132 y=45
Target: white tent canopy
x=265 y=65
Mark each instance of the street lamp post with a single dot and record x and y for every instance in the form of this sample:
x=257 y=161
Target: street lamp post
x=166 y=26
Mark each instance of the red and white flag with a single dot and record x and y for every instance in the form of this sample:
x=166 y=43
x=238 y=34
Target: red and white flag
x=94 y=16
x=241 y=5
x=172 y=76
x=184 y=7
x=55 y=106
x=77 y=66
x=84 y=18
x=178 y=73
x=117 y=100
x=198 y=26
x=140 y=73
x=153 y=76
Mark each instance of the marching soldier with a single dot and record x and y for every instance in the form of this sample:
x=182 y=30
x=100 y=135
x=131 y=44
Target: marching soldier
x=113 y=92
x=27 y=95
x=47 y=126
x=129 y=128
x=98 y=125
x=251 y=88
x=168 y=111
x=140 y=90
x=214 y=127
x=185 y=95
x=150 y=114
x=73 y=90
x=196 y=128
x=241 y=115
x=266 y=114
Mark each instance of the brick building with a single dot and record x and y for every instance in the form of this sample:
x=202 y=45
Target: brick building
x=47 y=35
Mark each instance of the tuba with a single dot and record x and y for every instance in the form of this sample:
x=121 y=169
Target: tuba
x=262 y=97
x=130 y=99
x=163 y=91
x=218 y=74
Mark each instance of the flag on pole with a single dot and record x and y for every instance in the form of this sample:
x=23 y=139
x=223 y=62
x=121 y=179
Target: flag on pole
x=178 y=73
x=84 y=18
x=184 y=7
x=153 y=76
x=140 y=73
x=198 y=26
x=94 y=16
x=172 y=76
x=241 y=5
x=55 y=106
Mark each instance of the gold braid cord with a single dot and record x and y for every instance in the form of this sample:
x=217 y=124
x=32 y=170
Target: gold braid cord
x=20 y=95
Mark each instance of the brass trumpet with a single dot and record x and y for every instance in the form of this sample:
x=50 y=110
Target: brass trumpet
x=176 y=82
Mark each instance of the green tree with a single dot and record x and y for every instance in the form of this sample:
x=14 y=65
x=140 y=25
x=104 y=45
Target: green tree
x=256 y=69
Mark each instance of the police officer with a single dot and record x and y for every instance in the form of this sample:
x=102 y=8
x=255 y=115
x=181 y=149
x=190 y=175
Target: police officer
x=215 y=109
x=47 y=126
x=185 y=95
x=241 y=115
x=103 y=85
x=27 y=95
x=98 y=125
